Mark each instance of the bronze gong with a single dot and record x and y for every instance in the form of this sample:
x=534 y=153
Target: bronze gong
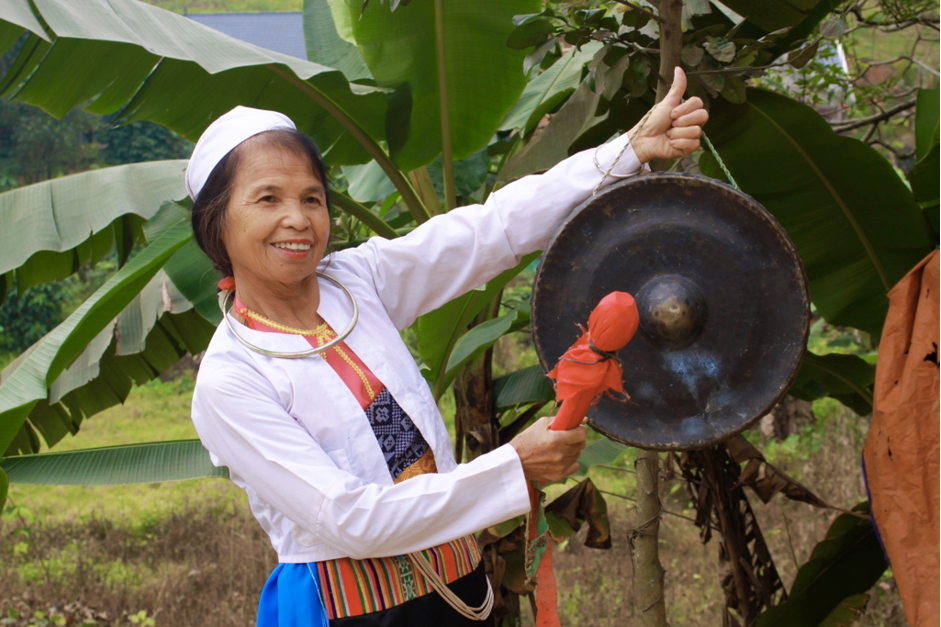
x=723 y=300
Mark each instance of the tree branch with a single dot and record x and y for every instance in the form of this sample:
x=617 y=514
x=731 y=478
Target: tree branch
x=842 y=127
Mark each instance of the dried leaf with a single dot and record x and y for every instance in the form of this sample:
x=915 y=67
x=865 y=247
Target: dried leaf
x=763 y=478
x=747 y=572
x=583 y=503
x=799 y=58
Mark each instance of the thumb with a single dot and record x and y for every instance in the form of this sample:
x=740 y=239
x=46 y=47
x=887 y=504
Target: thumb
x=675 y=95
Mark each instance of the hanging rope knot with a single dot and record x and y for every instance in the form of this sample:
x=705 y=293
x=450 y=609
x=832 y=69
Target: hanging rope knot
x=605 y=355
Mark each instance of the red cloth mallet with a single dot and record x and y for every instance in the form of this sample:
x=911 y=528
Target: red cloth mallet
x=589 y=368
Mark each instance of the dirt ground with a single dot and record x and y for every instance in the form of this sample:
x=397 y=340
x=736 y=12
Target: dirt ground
x=205 y=564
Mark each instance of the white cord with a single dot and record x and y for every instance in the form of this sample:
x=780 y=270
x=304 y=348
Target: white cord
x=473 y=613
x=608 y=173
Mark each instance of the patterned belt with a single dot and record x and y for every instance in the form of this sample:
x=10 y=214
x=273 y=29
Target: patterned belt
x=355 y=587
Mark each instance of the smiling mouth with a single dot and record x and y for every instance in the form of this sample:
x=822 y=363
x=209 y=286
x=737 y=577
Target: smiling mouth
x=292 y=246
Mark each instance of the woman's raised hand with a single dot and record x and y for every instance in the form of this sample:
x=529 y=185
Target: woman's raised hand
x=549 y=455
x=674 y=127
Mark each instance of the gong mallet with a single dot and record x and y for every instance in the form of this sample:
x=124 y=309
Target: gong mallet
x=590 y=368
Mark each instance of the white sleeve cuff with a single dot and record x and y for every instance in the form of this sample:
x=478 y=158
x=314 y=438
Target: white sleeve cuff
x=628 y=163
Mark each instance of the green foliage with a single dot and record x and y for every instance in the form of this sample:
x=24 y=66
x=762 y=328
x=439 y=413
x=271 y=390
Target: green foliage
x=854 y=222
x=484 y=77
x=26 y=318
x=848 y=562
x=847 y=378
x=107 y=52
x=142 y=141
x=29 y=381
x=4 y=489
x=440 y=330
x=529 y=385
x=77 y=220
x=154 y=462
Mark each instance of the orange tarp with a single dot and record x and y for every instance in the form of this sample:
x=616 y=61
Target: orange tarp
x=901 y=453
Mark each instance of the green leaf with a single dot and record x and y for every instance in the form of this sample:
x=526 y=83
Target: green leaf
x=924 y=179
x=720 y=49
x=479 y=339
x=848 y=562
x=854 y=222
x=547 y=90
x=529 y=385
x=151 y=64
x=36 y=370
x=193 y=275
x=927 y=116
x=847 y=378
x=439 y=330
x=552 y=144
x=153 y=462
x=4 y=488
x=847 y=612
x=530 y=33
x=599 y=452
x=326 y=47
x=368 y=182
x=51 y=229
x=769 y=16
x=484 y=77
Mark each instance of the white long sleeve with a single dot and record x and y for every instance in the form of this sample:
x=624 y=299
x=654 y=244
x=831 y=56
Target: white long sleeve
x=455 y=252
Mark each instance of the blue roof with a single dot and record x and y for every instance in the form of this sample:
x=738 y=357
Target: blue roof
x=281 y=32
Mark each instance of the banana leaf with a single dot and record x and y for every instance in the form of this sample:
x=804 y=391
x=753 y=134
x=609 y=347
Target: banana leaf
x=479 y=339
x=25 y=383
x=440 y=330
x=599 y=452
x=529 y=385
x=484 y=77
x=150 y=64
x=4 y=488
x=153 y=462
x=51 y=229
x=324 y=44
x=549 y=89
x=855 y=223
x=847 y=378
x=848 y=562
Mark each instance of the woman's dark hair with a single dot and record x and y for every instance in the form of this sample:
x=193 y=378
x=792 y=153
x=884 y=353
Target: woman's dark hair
x=209 y=208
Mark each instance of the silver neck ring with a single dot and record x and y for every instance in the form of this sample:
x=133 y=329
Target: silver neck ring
x=224 y=300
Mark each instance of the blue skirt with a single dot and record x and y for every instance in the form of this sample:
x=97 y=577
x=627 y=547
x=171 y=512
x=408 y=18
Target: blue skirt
x=291 y=598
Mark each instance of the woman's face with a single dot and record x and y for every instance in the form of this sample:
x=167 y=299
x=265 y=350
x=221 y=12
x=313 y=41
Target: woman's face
x=277 y=223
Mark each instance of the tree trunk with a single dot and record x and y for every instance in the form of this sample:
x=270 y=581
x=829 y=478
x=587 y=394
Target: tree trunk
x=648 y=574
x=645 y=550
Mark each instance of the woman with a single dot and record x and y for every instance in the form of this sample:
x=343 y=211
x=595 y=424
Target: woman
x=344 y=456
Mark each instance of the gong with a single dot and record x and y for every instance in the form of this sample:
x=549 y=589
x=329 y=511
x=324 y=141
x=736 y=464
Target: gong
x=723 y=301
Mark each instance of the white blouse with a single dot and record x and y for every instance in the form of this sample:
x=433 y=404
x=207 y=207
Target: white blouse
x=296 y=439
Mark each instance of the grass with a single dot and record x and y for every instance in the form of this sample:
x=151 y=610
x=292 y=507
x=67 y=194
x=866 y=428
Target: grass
x=190 y=553
x=158 y=411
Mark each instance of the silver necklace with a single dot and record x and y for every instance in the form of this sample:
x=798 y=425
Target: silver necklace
x=224 y=300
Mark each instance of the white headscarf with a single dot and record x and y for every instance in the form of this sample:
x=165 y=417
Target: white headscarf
x=223 y=135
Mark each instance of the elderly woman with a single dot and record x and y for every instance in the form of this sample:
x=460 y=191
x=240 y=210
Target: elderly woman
x=310 y=397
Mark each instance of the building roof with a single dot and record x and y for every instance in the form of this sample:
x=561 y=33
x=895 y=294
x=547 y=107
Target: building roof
x=281 y=32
